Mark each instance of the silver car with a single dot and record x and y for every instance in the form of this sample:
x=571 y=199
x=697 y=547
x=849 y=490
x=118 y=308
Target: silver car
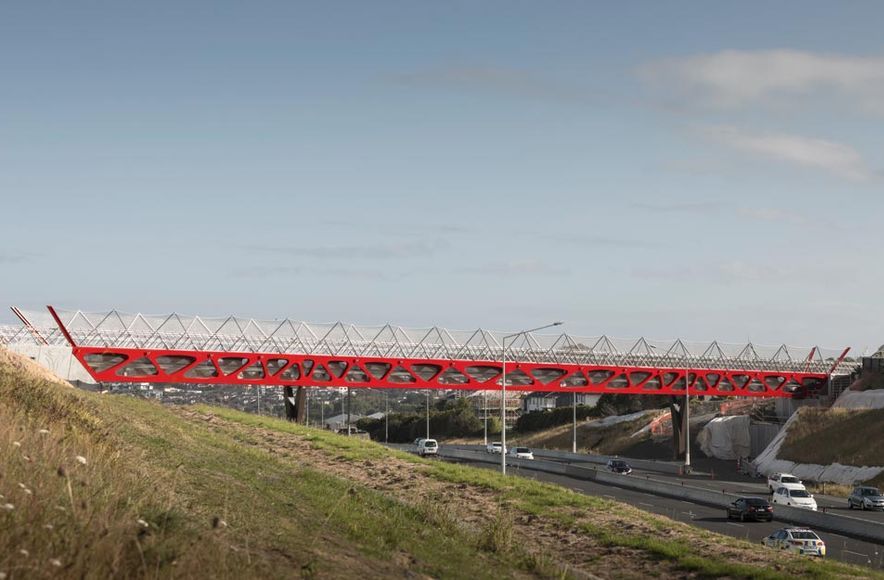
x=866 y=498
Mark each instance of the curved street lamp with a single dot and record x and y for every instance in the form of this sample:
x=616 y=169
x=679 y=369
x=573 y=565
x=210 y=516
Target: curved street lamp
x=503 y=389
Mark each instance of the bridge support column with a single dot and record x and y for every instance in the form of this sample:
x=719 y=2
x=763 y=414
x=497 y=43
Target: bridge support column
x=295 y=405
x=676 y=408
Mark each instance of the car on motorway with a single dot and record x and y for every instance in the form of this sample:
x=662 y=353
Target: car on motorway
x=801 y=540
x=787 y=480
x=865 y=497
x=494 y=447
x=428 y=447
x=750 y=508
x=618 y=466
x=799 y=498
x=521 y=453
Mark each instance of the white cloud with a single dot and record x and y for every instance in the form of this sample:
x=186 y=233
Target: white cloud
x=835 y=158
x=734 y=78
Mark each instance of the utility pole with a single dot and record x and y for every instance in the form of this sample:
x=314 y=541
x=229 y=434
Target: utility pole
x=574 y=430
x=687 y=421
x=386 y=416
x=428 y=413
x=349 y=401
x=485 y=413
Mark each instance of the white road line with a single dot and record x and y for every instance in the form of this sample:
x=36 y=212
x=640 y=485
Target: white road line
x=608 y=496
x=689 y=514
x=647 y=504
x=733 y=524
x=855 y=553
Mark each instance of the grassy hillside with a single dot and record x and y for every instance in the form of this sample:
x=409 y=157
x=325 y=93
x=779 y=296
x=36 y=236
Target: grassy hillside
x=846 y=436
x=98 y=486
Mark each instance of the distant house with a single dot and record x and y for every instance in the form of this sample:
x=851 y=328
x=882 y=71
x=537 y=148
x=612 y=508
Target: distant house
x=339 y=422
x=567 y=399
x=539 y=401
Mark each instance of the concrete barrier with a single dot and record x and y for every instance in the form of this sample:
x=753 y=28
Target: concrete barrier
x=845 y=525
x=643 y=464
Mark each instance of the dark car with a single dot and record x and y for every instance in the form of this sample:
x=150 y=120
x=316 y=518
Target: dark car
x=619 y=466
x=750 y=508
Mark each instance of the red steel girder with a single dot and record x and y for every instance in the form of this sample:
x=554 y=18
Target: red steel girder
x=112 y=364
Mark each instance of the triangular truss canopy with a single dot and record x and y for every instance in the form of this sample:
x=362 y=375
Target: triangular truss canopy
x=177 y=332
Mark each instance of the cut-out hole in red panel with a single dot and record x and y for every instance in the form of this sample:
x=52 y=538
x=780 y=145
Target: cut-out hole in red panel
x=274 y=365
x=292 y=373
x=426 y=371
x=740 y=381
x=102 y=362
x=320 y=374
x=252 y=372
x=638 y=377
x=653 y=384
x=517 y=377
x=231 y=364
x=547 y=376
x=577 y=379
x=482 y=373
x=377 y=369
x=142 y=367
x=356 y=375
x=204 y=370
x=173 y=363
x=402 y=376
x=337 y=368
x=452 y=376
x=774 y=382
x=619 y=382
x=599 y=377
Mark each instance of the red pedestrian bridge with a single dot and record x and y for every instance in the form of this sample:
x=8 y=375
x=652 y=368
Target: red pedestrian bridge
x=119 y=347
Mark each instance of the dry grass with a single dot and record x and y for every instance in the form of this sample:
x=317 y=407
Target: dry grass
x=826 y=436
x=609 y=440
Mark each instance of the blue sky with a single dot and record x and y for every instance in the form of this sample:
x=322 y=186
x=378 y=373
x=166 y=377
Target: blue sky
x=640 y=168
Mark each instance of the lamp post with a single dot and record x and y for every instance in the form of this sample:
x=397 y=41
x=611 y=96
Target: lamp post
x=428 y=413
x=503 y=389
x=485 y=413
x=574 y=425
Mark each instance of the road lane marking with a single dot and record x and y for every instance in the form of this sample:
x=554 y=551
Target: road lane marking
x=647 y=504
x=855 y=553
x=733 y=524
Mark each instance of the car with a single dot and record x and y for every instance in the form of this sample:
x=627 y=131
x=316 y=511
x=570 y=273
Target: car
x=619 y=466
x=521 y=453
x=801 y=540
x=787 y=480
x=750 y=508
x=865 y=497
x=428 y=447
x=417 y=442
x=794 y=497
x=494 y=447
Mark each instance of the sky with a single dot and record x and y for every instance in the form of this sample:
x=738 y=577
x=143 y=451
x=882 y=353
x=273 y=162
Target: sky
x=679 y=169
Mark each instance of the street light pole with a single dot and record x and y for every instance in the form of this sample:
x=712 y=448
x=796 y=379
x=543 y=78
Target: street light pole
x=503 y=389
x=574 y=429
x=687 y=422
x=386 y=417
x=485 y=413
x=428 y=413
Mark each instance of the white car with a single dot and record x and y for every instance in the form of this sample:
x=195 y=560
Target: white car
x=495 y=447
x=428 y=447
x=800 y=540
x=521 y=453
x=794 y=497
x=787 y=480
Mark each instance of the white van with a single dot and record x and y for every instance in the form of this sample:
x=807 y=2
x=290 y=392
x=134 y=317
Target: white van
x=427 y=447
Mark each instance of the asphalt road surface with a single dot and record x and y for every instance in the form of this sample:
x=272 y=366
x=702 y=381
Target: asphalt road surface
x=838 y=547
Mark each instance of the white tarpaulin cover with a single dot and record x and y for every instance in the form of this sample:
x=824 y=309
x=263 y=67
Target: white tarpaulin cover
x=768 y=463
x=726 y=437
x=861 y=399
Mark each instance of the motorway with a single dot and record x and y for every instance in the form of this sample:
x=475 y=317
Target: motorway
x=838 y=547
